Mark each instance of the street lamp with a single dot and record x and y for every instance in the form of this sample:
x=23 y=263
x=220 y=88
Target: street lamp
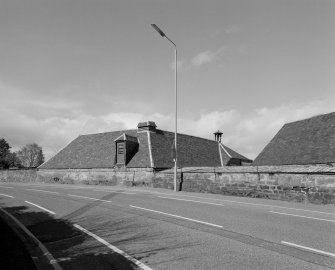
x=175 y=98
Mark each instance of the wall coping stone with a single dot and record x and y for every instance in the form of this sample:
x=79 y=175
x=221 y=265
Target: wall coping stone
x=295 y=169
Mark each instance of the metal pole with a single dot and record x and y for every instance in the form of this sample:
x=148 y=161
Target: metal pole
x=175 y=132
x=175 y=94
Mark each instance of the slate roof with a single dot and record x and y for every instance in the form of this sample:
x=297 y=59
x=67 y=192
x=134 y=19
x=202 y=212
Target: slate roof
x=98 y=151
x=308 y=141
x=236 y=155
x=192 y=151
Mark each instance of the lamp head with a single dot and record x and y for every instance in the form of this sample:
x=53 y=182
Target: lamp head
x=158 y=30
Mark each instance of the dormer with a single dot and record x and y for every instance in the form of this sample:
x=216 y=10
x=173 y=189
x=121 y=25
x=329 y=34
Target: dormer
x=126 y=147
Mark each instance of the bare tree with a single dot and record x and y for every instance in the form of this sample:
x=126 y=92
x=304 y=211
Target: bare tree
x=31 y=155
x=14 y=161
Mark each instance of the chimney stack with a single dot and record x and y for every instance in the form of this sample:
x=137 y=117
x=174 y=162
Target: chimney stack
x=218 y=136
x=149 y=125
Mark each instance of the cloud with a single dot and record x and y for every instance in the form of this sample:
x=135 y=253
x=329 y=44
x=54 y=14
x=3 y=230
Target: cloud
x=249 y=133
x=206 y=57
x=23 y=120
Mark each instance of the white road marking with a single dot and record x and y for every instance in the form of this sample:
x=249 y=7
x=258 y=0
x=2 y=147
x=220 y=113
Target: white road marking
x=63 y=259
x=112 y=191
x=302 y=216
x=7 y=195
x=308 y=248
x=163 y=193
x=141 y=190
x=45 y=251
x=88 y=198
x=181 y=217
x=6 y=187
x=39 y=190
x=47 y=210
x=69 y=187
x=62 y=187
x=258 y=204
x=189 y=200
x=115 y=249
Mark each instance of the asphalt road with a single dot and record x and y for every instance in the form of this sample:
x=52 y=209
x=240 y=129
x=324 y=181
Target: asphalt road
x=95 y=227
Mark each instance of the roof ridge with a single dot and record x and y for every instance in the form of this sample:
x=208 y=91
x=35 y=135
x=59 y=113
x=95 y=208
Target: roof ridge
x=309 y=118
x=188 y=135
x=122 y=130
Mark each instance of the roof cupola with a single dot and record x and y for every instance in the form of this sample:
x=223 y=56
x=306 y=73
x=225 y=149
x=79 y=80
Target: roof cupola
x=218 y=135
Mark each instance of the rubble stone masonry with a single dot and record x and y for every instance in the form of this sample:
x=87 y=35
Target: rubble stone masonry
x=314 y=184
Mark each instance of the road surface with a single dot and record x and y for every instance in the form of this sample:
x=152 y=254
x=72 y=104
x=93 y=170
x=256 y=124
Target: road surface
x=97 y=227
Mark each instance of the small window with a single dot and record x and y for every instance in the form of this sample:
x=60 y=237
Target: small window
x=120 y=149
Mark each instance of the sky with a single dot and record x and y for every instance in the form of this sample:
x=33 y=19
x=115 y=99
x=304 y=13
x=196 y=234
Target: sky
x=245 y=67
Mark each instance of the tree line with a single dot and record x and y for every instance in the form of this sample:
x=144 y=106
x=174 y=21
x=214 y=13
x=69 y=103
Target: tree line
x=29 y=156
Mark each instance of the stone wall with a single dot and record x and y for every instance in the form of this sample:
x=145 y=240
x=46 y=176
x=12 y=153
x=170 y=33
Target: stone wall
x=129 y=177
x=295 y=183
x=166 y=180
x=21 y=175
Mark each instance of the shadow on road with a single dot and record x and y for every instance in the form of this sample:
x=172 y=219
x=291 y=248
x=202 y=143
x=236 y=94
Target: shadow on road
x=13 y=253
x=73 y=249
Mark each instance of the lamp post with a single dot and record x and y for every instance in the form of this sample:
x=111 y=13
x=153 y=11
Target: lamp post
x=175 y=98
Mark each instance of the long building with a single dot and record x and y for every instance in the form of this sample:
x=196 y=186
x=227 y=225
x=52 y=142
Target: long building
x=144 y=147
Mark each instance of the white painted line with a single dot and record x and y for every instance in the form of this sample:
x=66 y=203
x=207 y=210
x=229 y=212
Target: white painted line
x=163 y=193
x=88 y=198
x=62 y=187
x=69 y=187
x=140 y=190
x=111 y=191
x=189 y=200
x=6 y=187
x=45 y=251
x=47 y=210
x=63 y=259
x=7 y=195
x=302 y=216
x=114 y=248
x=258 y=204
x=308 y=248
x=39 y=190
x=167 y=214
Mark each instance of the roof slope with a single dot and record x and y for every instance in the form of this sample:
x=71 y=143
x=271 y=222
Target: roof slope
x=309 y=141
x=236 y=155
x=192 y=151
x=98 y=151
